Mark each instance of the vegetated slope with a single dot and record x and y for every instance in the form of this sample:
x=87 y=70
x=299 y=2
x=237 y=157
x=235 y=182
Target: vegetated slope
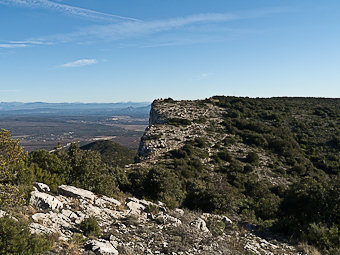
x=54 y=221
x=112 y=153
x=269 y=162
x=274 y=162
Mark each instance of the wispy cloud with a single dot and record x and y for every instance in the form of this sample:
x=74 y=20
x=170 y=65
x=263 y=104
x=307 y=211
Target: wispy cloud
x=20 y=44
x=138 y=29
x=64 y=8
x=205 y=75
x=80 y=62
x=155 y=33
x=12 y=45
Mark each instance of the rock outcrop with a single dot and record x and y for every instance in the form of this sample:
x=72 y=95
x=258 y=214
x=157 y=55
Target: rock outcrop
x=101 y=247
x=173 y=124
x=126 y=228
x=45 y=201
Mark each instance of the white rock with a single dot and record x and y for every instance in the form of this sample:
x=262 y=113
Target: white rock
x=105 y=201
x=2 y=213
x=135 y=208
x=81 y=217
x=42 y=187
x=227 y=221
x=55 y=221
x=167 y=219
x=161 y=219
x=43 y=218
x=69 y=214
x=174 y=221
x=45 y=201
x=36 y=228
x=71 y=191
x=101 y=247
x=179 y=211
x=113 y=241
x=200 y=225
x=140 y=201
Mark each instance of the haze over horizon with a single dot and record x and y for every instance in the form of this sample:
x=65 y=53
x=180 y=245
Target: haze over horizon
x=104 y=51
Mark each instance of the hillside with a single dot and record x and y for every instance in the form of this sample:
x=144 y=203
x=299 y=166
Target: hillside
x=257 y=176
x=112 y=153
x=274 y=162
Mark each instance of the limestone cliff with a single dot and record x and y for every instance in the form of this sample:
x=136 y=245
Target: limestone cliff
x=172 y=123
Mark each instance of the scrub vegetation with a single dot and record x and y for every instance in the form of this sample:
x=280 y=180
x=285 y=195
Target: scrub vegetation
x=277 y=166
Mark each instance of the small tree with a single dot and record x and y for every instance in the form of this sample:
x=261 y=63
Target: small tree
x=90 y=226
x=12 y=166
x=252 y=157
x=11 y=157
x=15 y=238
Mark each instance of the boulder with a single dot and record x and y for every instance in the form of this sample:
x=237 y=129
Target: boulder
x=69 y=214
x=135 y=208
x=167 y=219
x=2 y=213
x=105 y=201
x=140 y=201
x=101 y=247
x=179 y=211
x=41 y=187
x=200 y=225
x=227 y=221
x=71 y=191
x=45 y=201
x=36 y=228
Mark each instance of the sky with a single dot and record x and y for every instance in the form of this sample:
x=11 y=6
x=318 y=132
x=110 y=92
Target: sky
x=140 y=50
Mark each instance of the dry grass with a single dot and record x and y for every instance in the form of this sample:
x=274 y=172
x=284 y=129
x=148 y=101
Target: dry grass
x=308 y=249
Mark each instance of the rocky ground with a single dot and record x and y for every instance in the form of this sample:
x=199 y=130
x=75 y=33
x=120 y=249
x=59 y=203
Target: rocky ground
x=133 y=226
x=172 y=124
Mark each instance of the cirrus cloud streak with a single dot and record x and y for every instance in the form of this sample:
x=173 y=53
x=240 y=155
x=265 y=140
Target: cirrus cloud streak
x=80 y=62
x=66 y=9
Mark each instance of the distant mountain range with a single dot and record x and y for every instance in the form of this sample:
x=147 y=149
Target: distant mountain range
x=18 y=108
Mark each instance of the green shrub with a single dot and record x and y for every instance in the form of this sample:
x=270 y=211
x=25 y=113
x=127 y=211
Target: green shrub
x=89 y=172
x=248 y=169
x=212 y=195
x=164 y=185
x=169 y=100
x=90 y=226
x=323 y=236
x=252 y=138
x=199 y=142
x=215 y=226
x=224 y=155
x=15 y=238
x=51 y=163
x=12 y=157
x=12 y=195
x=151 y=208
x=179 y=122
x=15 y=176
x=252 y=157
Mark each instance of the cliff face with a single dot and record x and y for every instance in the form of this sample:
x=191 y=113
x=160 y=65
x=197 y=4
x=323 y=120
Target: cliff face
x=172 y=123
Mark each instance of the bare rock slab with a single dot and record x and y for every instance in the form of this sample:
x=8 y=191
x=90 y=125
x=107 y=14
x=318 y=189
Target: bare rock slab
x=42 y=187
x=200 y=225
x=71 y=191
x=101 y=247
x=45 y=201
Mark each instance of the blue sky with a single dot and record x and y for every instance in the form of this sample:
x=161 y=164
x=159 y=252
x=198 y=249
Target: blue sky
x=139 y=50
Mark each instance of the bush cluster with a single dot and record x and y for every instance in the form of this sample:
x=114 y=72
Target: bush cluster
x=15 y=238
